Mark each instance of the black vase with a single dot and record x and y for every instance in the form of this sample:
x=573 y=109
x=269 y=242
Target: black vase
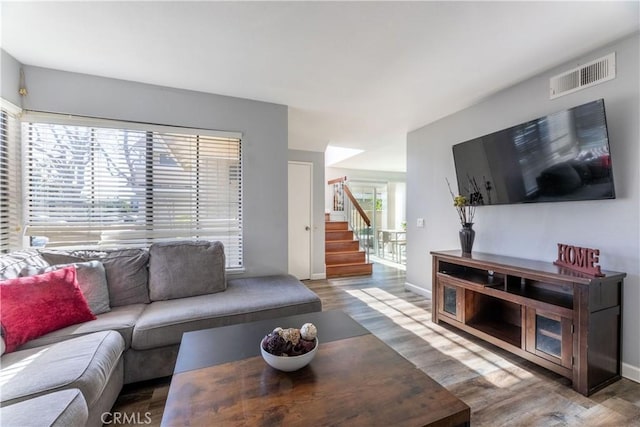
x=467 y=234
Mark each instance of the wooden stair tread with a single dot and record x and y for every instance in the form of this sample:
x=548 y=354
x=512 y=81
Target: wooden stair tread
x=340 y=247
x=350 y=264
x=353 y=256
x=345 y=270
x=339 y=234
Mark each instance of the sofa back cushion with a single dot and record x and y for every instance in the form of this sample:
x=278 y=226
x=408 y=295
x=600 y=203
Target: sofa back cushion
x=127 y=276
x=185 y=269
x=126 y=269
x=12 y=264
x=92 y=281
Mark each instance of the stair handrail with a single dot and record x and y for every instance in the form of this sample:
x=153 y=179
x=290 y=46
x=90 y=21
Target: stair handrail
x=357 y=206
x=360 y=224
x=337 y=180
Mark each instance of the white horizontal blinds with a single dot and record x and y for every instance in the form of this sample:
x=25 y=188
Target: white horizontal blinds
x=104 y=186
x=197 y=190
x=4 y=182
x=10 y=236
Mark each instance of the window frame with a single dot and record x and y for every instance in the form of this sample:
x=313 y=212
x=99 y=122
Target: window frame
x=155 y=136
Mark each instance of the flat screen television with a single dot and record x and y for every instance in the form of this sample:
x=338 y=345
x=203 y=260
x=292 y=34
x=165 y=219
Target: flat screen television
x=560 y=157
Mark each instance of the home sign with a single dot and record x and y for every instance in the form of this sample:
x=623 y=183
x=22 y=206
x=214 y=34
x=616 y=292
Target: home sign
x=579 y=259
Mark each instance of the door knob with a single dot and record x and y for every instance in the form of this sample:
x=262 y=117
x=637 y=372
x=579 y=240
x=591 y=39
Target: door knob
x=307 y=228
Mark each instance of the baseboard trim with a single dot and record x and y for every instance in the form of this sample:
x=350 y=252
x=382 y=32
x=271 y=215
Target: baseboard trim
x=417 y=290
x=318 y=276
x=631 y=372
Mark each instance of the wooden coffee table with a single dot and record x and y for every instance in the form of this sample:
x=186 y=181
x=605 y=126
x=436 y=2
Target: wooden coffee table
x=355 y=379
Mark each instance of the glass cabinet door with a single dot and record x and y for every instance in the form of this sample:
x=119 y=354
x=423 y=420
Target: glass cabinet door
x=549 y=336
x=450 y=301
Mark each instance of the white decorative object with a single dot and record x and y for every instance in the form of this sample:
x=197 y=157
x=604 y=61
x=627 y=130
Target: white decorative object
x=308 y=331
x=289 y=363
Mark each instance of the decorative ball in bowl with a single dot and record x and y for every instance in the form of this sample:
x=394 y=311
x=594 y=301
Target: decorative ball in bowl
x=290 y=349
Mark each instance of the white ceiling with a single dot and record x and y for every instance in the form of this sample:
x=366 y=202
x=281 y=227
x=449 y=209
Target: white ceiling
x=354 y=74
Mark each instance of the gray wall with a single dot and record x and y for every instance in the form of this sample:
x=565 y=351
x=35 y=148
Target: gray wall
x=319 y=184
x=9 y=78
x=532 y=231
x=264 y=142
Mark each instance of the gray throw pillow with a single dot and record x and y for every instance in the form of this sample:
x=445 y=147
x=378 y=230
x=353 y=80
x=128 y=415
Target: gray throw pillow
x=126 y=269
x=59 y=257
x=185 y=269
x=63 y=256
x=11 y=264
x=92 y=281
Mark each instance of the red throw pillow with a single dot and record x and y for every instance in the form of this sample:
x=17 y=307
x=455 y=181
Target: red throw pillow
x=36 y=305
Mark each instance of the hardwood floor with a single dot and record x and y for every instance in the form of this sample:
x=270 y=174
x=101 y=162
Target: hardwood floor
x=501 y=389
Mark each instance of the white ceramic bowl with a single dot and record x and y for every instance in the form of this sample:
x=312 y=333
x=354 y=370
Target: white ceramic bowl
x=289 y=363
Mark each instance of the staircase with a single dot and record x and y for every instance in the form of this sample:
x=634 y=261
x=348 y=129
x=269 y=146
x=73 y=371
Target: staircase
x=343 y=256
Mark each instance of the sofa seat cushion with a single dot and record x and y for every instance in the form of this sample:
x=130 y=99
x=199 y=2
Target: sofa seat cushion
x=60 y=409
x=119 y=319
x=85 y=363
x=163 y=322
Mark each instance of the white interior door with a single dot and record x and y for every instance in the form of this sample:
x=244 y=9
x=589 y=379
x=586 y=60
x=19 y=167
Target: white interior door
x=300 y=219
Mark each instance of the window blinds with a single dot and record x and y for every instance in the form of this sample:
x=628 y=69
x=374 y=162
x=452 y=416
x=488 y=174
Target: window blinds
x=10 y=236
x=119 y=185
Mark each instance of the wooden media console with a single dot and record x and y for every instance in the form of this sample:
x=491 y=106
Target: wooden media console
x=565 y=321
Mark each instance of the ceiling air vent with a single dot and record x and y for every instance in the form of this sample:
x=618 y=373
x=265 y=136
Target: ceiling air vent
x=587 y=75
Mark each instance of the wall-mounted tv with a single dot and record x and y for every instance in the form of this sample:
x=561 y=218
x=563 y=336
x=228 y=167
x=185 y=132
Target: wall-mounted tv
x=560 y=157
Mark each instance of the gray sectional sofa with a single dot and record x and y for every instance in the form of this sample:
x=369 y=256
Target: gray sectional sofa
x=72 y=376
